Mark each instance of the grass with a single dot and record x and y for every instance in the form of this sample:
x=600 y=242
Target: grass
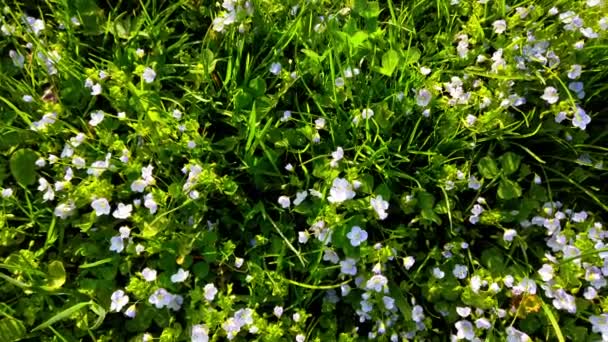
x=477 y=208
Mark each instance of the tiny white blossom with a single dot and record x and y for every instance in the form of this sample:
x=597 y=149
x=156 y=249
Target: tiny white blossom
x=149 y=274
x=380 y=206
x=284 y=201
x=123 y=211
x=119 y=300
x=356 y=236
x=180 y=276
x=101 y=206
x=209 y=292
x=300 y=197
x=340 y=191
x=275 y=68
x=148 y=75
x=96 y=118
x=499 y=26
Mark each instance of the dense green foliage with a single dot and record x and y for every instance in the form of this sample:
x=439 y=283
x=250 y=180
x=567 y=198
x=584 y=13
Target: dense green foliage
x=303 y=170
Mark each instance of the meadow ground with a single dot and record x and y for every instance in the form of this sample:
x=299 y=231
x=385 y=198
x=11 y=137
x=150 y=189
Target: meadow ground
x=322 y=170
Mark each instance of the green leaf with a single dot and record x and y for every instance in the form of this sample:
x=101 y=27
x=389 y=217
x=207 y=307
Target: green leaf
x=56 y=275
x=62 y=315
x=510 y=163
x=390 y=61
x=23 y=166
x=554 y=323
x=487 y=167
x=200 y=269
x=11 y=329
x=508 y=189
x=257 y=87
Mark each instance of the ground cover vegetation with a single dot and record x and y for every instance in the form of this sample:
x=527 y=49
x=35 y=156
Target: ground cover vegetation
x=303 y=170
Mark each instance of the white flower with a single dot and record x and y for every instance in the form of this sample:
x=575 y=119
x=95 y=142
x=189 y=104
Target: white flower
x=380 y=206
x=275 y=68
x=367 y=113
x=499 y=26
x=148 y=75
x=96 y=118
x=377 y=283
x=238 y=262
x=286 y=116
x=575 y=71
x=284 y=201
x=6 y=193
x=289 y=167
x=463 y=311
x=123 y=211
x=278 y=311
x=339 y=82
x=300 y=197
x=509 y=234
x=340 y=191
x=150 y=203
x=199 y=333
x=356 y=236
x=320 y=123
x=149 y=274
x=408 y=262
x=465 y=330
x=131 y=311
x=460 y=271
x=139 y=52
x=101 y=206
x=470 y=120
x=36 y=25
x=580 y=119
x=180 y=276
x=546 y=272
x=348 y=266
x=96 y=90
x=139 y=249
x=117 y=244
x=119 y=300
x=139 y=185
x=337 y=155
x=65 y=210
x=423 y=97
x=550 y=95
x=438 y=273
x=160 y=298
x=514 y=335
x=425 y=70
x=209 y=292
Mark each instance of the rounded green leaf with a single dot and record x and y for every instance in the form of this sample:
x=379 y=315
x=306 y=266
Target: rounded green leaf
x=487 y=167
x=23 y=166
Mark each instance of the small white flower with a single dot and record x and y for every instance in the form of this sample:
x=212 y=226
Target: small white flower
x=460 y=271
x=149 y=274
x=284 y=201
x=303 y=237
x=139 y=249
x=96 y=118
x=180 y=276
x=96 y=90
x=376 y=283
x=125 y=232
x=470 y=120
x=339 y=82
x=465 y=330
x=139 y=52
x=286 y=116
x=320 y=123
x=423 y=97
x=131 y=311
x=425 y=71
x=119 y=300
x=275 y=68
x=356 y=236
x=337 y=155
x=278 y=311
x=438 y=273
x=509 y=235
x=123 y=211
x=65 y=210
x=300 y=197
x=101 y=206
x=289 y=167
x=348 y=266
x=139 y=185
x=408 y=262
x=340 y=191
x=367 y=113
x=148 y=75
x=238 y=262
x=117 y=244
x=199 y=333
x=380 y=206
x=6 y=193
x=209 y=292
x=499 y=26
x=150 y=203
